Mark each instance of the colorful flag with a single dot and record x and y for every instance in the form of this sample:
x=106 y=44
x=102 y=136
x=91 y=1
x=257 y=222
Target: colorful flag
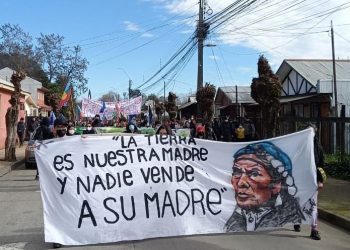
x=66 y=95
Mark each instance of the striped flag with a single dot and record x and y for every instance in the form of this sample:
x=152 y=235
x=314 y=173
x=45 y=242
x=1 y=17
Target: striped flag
x=66 y=95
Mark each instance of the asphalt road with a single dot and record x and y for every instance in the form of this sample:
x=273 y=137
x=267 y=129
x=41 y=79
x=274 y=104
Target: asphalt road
x=21 y=227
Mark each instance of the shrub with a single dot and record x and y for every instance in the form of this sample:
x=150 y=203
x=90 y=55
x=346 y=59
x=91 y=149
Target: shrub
x=336 y=167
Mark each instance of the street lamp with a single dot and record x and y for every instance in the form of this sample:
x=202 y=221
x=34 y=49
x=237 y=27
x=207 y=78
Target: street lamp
x=130 y=81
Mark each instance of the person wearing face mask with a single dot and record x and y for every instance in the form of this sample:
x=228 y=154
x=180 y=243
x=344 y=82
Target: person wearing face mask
x=60 y=128
x=71 y=130
x=89 y=129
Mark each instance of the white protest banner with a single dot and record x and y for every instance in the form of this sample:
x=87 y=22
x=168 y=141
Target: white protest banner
x=130 y=107
x=116 y=188
x=90 y=108
x=110 y=112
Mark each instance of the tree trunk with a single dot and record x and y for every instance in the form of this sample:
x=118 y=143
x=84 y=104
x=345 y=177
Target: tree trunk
x=10 y=142
x=12 y=117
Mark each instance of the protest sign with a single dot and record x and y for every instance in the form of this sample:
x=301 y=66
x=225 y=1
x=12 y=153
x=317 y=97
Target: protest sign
x=116 y=188
x=130 y=107
x=90 y=108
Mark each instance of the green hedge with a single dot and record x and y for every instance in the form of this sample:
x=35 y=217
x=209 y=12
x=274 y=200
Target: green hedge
x=336 y=167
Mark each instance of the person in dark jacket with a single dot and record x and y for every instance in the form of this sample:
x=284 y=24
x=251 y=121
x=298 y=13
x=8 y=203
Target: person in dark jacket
x=217 y=129
x=32 y=125
x=97 y=121
x=43 y=132
x=209 y=132
x=89 y=129
x=226 y=130
x=20 y=131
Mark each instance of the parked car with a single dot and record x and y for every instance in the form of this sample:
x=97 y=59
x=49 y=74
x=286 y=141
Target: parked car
x=29 y=154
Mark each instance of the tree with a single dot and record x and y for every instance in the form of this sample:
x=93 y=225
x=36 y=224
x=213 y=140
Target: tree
x=16 y=52
x=63 y=64
x=266 y=90
x=134 y=93
x=170 y=105
x=12 y=117
x=111 y=96
x=205 y=101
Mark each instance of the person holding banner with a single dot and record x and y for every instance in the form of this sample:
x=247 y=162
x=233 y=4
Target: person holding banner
x=89 y=129
x=164 y=130
x=264 y=189
x=321 y=178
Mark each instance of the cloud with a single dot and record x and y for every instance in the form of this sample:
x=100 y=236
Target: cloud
x=292 y=29
x=131 y=26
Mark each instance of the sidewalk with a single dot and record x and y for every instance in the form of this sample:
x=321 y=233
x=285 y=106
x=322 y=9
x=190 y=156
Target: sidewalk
x=333 y=199
x=6 y=166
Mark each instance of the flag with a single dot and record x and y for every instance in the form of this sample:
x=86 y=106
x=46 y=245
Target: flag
x=150 y=115
x=52 y=119
x=66 y=95
x=89 y=94
x=102 y=110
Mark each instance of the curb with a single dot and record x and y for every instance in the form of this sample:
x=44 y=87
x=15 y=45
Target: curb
x=334 y=219
x=8 y=169
x=16 y=164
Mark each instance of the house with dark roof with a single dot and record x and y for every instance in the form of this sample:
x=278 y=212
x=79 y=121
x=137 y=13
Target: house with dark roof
x=235 y=101
x=189 y=108
x=308 y=92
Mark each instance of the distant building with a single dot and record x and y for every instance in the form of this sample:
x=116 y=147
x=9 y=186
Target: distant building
x=25 y=105
x=308 y=91
x=189 y=108
x=36 y=90
x=236 y=102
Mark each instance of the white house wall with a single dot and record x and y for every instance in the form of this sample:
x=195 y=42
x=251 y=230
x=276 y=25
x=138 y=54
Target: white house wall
x=295 y=84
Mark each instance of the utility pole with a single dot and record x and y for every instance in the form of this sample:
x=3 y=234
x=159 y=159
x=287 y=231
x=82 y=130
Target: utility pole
x=129 y=87
x=334 y=75
x=164 y=104
x=201 y=33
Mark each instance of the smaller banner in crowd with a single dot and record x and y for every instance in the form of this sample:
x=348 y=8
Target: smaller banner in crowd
x=116 y=188
x=111 y=110
x=130 y=107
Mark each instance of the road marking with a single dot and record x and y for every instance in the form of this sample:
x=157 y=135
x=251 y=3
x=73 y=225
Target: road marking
x=13 y=246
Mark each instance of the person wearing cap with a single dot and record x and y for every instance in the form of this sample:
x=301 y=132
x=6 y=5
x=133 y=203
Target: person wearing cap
x=264 y=189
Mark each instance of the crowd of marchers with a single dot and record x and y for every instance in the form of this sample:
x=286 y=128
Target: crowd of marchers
x=226 y=129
